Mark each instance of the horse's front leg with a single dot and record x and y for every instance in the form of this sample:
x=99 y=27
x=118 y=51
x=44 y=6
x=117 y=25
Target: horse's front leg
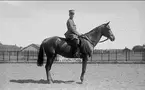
x=84 y=65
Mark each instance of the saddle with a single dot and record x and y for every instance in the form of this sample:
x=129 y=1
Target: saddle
x=75 y=47
x=80 y=40
x=84 y=46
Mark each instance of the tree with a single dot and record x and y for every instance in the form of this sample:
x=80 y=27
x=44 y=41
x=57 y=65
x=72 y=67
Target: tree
x=138 y=48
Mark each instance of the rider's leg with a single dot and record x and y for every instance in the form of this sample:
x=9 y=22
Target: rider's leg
x=75 y=44
x=76 y=47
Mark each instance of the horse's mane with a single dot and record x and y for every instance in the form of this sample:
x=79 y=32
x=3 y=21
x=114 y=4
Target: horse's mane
x=94 y=30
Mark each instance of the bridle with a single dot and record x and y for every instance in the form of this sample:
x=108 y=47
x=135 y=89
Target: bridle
x=87 y=38
x=91 y=41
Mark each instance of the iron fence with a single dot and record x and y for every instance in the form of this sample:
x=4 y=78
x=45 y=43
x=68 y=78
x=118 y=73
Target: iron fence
x=98 y=57
x=119 y=56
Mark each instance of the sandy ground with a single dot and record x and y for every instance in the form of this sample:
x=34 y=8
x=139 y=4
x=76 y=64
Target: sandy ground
x=66 y=77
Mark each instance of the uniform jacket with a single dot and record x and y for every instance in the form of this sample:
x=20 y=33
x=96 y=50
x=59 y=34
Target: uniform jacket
x=71 y=28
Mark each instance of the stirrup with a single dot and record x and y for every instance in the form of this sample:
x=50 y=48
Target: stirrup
x=77 y=55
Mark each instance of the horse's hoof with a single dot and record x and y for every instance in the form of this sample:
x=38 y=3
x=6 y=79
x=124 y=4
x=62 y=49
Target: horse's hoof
x=50 y=82
x=82 y=81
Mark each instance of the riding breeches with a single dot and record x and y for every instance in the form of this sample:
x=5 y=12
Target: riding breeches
x=74 y=38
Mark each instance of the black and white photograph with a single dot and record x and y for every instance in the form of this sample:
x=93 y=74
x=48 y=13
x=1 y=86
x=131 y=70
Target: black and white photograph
x=72 y=45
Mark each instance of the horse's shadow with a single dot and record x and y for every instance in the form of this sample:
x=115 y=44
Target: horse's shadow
x=41 y=81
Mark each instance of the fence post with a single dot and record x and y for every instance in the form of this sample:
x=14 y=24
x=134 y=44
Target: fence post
x=33 y=55
x=17 y=56
x=129 y=55
x=143 y=55
x=3 y=55
x=101 y=55
x=116 y=55
x=9 y=55
x=126 y=54
x=37 y=55
x=91 y=57
x=27 y=55
x=108 y=55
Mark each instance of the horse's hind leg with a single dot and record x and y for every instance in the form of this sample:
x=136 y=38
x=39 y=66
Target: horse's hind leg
x=48 y=65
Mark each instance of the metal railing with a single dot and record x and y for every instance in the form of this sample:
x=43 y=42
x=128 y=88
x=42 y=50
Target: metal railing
x=98 y=57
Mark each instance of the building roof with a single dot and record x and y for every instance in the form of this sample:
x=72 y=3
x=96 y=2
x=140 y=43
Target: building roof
x=1 y=43
x=33 y=45
x=138 y=48
x=9 y=48
x=126 y=49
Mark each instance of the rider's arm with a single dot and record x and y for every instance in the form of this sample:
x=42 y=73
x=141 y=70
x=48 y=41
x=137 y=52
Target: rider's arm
x=71 y=27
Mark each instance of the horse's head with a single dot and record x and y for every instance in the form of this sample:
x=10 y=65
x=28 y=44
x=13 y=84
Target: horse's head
x=95 y=35
x=106 y=31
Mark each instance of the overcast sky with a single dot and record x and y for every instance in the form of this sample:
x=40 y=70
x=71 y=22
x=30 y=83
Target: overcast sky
x=26 y=22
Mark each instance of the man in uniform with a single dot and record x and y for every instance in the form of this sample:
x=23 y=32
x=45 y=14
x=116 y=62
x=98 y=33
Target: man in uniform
x=72 y=33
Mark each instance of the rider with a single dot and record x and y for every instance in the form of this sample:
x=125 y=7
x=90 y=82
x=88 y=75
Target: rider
x=72 y=34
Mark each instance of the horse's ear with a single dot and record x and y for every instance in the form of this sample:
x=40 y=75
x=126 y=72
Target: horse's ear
x=107 y=23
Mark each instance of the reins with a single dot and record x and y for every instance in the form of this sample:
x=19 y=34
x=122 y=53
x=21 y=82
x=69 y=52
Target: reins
x=103 y=40
x=91 y=42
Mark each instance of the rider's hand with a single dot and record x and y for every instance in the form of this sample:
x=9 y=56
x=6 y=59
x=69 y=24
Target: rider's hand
x=81 y=34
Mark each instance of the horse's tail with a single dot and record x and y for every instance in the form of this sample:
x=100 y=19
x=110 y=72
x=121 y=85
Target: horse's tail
x=40 y=56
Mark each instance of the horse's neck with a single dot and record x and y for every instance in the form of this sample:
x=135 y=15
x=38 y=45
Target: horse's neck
x=94 y=36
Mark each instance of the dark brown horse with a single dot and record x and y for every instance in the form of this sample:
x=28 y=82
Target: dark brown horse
x=57 y=45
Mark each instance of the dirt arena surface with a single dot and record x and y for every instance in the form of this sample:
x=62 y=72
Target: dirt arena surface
x=66 y=77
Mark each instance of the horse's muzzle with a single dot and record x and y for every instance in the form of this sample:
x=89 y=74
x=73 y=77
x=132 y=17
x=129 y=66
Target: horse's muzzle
x=112 y=38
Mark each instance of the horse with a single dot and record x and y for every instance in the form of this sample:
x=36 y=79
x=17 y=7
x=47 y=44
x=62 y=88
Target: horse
x=57 y=45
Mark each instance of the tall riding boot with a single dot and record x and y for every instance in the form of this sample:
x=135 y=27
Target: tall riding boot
x=76 y=52
x=76 y=48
